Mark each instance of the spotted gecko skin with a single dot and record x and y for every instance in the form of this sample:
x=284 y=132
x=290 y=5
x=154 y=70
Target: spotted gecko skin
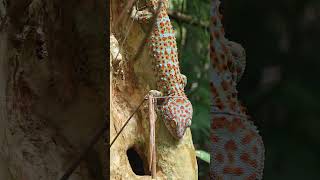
x=237 y=150
x=176 y=112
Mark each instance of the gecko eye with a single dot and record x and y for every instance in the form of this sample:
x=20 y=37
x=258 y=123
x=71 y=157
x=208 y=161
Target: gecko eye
x=173 y=124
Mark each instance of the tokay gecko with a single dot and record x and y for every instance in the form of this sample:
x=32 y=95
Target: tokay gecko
x=237 y=150
x=176 y=111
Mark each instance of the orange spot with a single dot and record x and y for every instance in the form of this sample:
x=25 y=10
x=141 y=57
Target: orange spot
x=222 y=30
x=238 y=70
x=216 y=34
x=230 y=146
x=243 y=109
x=233 y=127
x=214 y=20
x=247 y=139
x=231 y=158
x=220 y=16
x=213 y=89
x=219 y=103
x=238 y=122
x=214 y=139
x=219 y=157
x=223 y=57
x=233 y=105
x=245 y=157
x=253 y=163
x=218 y=123
x=252 y=177
x=233 y=170
x=225 y=85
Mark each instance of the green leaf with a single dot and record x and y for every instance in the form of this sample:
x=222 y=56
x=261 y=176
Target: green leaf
x=203 y=155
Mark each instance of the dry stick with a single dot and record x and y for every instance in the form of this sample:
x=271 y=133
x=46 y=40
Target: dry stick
x=152 y=118
x=75 y=164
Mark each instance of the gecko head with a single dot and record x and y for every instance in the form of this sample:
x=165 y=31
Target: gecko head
x=177 y=115
x=164 y=4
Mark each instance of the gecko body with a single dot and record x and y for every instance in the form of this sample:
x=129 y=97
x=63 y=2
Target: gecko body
x=237 y=150
x=176 y=111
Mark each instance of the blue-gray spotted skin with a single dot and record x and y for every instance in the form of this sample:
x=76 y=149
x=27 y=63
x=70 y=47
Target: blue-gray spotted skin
x=237 y=150
x=177 y=111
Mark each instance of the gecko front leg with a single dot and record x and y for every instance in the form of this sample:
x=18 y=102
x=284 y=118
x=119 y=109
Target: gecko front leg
x=143 y=15
x=238 y=59
x=184 y=80
x=155 y=93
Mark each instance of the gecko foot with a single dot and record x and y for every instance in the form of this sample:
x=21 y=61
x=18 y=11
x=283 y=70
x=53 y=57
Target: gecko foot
x=141 y=15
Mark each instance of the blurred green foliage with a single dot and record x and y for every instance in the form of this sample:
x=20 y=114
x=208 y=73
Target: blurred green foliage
x=280 y=85
x=203 y=155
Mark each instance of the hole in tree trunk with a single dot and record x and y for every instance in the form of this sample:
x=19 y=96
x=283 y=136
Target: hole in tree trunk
x=136 y=162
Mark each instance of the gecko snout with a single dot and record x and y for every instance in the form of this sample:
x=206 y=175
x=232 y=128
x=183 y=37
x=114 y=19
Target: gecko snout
x=177 y=113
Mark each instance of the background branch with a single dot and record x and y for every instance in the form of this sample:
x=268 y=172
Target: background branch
x=187 y=19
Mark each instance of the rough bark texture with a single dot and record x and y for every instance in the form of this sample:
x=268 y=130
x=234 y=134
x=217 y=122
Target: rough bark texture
x=130 y=82
x=52 y=87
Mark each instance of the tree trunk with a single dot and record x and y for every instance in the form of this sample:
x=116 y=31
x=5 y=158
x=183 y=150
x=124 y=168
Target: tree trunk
x=52 y=87
x=131 y=81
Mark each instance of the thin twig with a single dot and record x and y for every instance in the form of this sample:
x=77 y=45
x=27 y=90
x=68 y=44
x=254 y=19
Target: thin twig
x=84 y=154
x=188 y=19
x=125 y=36
x=125 y=124
x=128 y=6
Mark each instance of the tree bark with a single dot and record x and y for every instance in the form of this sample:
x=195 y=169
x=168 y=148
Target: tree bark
x=52 y=87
